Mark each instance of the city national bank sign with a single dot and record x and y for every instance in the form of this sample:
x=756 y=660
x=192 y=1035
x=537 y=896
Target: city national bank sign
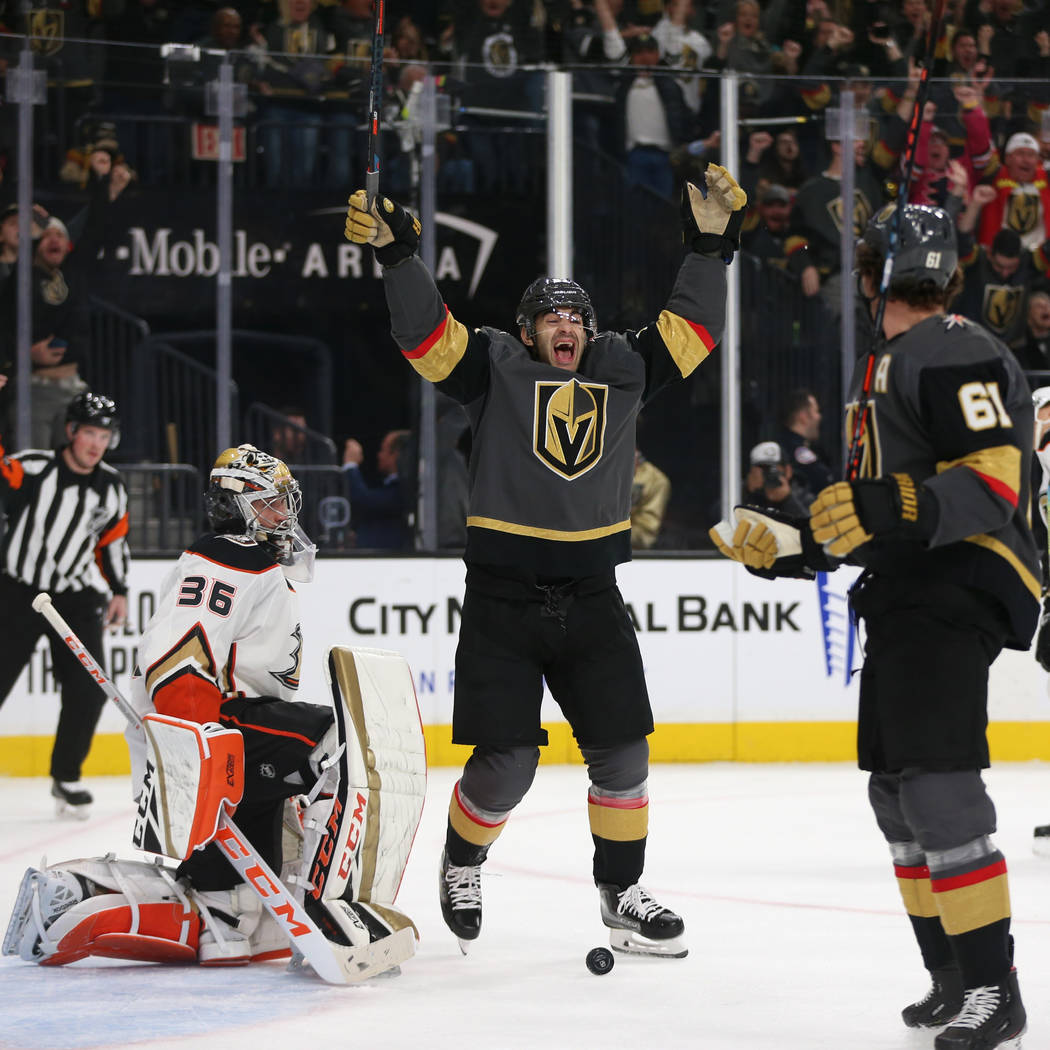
x=718 y=644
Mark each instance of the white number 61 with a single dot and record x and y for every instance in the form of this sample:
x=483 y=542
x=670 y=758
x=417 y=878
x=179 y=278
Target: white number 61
x=982 y=406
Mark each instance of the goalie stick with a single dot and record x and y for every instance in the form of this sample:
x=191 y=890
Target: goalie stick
x=911 y=145
x=334 y=963
x=375 y=102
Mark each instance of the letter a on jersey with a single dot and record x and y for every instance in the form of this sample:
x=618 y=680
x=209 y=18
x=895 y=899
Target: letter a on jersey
x=570 y=425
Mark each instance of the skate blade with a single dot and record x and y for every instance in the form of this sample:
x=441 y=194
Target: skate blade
x=67 y=812
x=1041 y=846
x=463 y=945
x=631 y=943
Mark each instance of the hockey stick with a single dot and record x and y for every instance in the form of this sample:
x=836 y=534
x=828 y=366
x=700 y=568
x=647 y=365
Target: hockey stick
x=375 y=102
x=334 y=963
x=922 y=92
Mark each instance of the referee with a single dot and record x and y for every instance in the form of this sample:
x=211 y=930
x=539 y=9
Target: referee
x=66 y=533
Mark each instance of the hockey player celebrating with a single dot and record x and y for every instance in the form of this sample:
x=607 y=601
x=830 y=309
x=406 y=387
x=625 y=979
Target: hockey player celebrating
x=552 y=411
x=936 y=512
x=223 y=653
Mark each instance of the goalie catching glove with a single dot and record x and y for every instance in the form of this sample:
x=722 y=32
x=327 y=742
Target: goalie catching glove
x=850 y=513
x=770 y=544
x=392 y=231
x=713 y=213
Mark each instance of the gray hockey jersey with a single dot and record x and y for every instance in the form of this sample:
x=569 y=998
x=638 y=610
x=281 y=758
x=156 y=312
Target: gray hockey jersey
x=552 y=457
x=951 y=407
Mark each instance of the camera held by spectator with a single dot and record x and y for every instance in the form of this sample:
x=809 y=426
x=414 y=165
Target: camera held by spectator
x=768 y=482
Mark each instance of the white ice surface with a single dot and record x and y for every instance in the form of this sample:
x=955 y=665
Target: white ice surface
x=796 y=934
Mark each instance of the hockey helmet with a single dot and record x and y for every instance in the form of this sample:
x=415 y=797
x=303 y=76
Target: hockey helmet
x=253 y=494
x=926 y=249
x=554 y=293
x=94 y=410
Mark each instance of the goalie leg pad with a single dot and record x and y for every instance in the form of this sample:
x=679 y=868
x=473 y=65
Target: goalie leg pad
x=359 y=841
x=102 y=907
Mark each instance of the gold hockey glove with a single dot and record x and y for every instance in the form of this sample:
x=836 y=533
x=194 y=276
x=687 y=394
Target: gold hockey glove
x=713 y=213
x=770 y=544
x=392 y=231
x=848 y=514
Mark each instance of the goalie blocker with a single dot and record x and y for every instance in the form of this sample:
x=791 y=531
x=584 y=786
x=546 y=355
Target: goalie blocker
x=345 y=865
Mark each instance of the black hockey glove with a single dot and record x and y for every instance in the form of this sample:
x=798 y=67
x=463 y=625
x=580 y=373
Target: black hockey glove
x=849 y=513
x=771 y=544
x=392 y=231
x=1042 y=638
x=713 y=213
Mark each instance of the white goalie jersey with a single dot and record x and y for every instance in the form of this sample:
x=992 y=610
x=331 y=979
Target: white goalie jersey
x=226 y=624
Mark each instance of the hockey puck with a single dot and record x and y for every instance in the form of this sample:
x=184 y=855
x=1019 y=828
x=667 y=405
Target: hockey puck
x=599 y=961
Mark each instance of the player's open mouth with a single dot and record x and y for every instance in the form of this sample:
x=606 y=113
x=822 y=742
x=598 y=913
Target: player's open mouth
x=564 y=352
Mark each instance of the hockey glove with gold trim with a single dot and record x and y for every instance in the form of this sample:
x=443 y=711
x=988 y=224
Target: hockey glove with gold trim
x=770 y=544
x=850 y=513
x=713 y=213
x=392 y=231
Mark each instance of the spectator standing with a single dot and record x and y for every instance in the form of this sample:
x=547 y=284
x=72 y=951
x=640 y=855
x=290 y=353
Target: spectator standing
x=60 y=284
x=1034 y=352
x=67 y=526
x=655 y=117
x=766 y=235
x=380 y=513
x=1022 y=195
x=290 y=76
x=998 y=278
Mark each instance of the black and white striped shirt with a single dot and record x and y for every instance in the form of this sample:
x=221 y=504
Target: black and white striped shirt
x=65 y=531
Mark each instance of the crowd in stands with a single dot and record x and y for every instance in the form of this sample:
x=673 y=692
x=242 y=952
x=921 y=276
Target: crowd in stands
x=647 y=79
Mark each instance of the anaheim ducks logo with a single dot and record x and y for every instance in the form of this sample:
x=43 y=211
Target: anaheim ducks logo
x=1022 y=212
x=570 y=426
x=290 y=676
x=1002 y=306
x=47 y=29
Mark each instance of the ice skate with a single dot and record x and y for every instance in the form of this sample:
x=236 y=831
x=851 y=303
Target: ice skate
x=940 y=1005
x=1041 y=841
x=992 y=1016
x=639 y=925
x=459 y=888
x=71 y=799
x=236 y=930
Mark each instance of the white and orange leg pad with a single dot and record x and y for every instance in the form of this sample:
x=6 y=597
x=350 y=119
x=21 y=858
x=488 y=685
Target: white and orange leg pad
x=194 y=772
x=116 y=909
x=358 y=842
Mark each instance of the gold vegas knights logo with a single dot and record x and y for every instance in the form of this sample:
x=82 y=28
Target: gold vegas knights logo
x=47 y=28
x=1022 y=212
x=570 y=425
x=1002 y=306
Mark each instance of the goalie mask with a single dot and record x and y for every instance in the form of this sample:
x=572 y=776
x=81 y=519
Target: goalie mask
x=253 y=494
x=547 y=294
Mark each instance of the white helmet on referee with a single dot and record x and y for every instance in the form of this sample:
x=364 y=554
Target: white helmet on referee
x=253 y=494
